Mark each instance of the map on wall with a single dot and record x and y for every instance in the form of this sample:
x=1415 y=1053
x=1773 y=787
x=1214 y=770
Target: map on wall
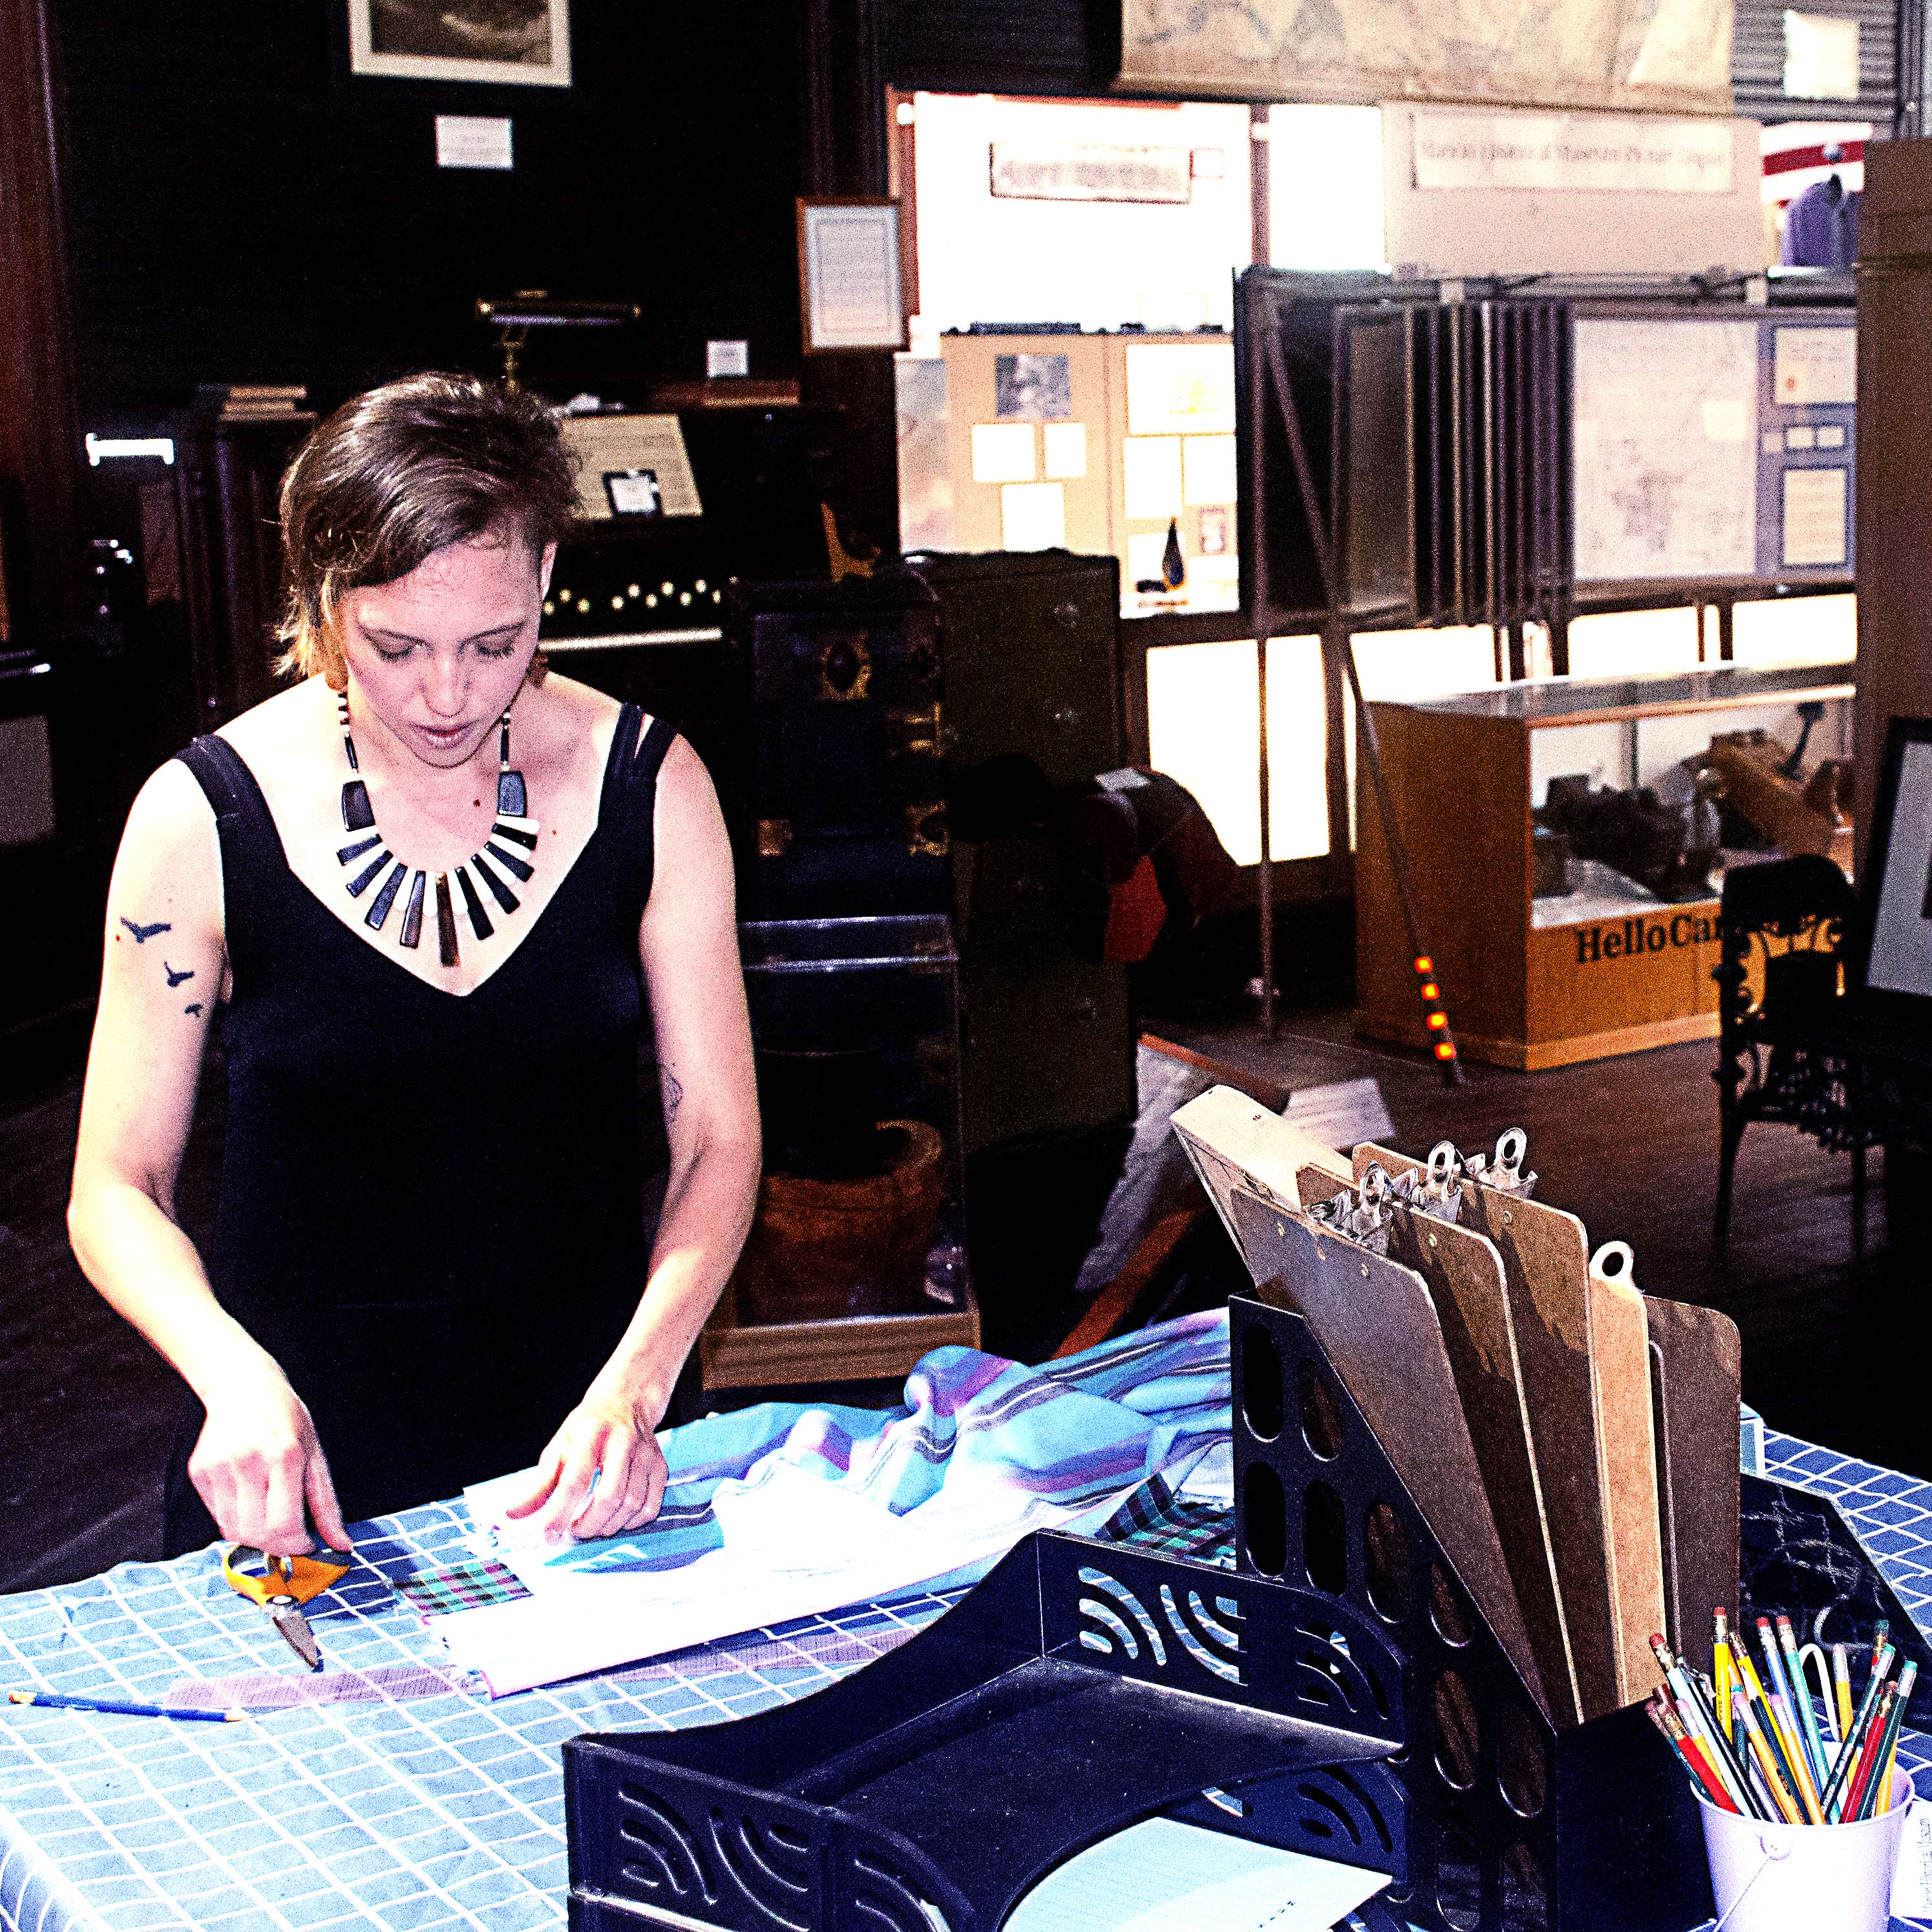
x=1666 y=449
x=1658 y=55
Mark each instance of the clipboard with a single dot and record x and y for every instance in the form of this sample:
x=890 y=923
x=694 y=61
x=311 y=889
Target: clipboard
x=1546 y=1259
x=1231 y=1141
x=1695 y=1360
x=1378 y=1325
x=1464 y=1273
x=1628 y=1465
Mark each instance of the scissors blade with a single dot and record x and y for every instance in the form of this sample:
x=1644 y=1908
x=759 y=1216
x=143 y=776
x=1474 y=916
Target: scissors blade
x=294 y=1630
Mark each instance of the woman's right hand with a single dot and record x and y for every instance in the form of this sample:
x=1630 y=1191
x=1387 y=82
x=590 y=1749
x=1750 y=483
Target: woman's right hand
x=259 y=1468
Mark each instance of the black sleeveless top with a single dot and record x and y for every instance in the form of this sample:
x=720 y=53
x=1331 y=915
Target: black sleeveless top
x=434 y=1211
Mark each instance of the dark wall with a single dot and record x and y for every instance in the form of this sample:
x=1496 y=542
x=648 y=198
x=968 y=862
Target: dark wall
x=1003 y=47
x=240 y=208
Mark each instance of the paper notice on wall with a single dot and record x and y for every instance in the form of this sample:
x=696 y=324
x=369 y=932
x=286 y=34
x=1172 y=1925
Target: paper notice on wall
x=1174 y=388
x=1150 y=473
x=1815 y=504
x=1634 y=154
x=1003 y=453
x=1144 y=557
x=1066 y=450
x=1033 y=516
x=1208 y=469
x=1816 y=365
x=1821 y=57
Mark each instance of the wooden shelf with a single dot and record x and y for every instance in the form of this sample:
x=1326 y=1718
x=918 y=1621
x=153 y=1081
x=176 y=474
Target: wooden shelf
x=847 y=1348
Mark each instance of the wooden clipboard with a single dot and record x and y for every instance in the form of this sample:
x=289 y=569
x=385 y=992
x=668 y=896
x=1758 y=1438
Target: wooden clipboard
x=1464 y=1276
x=1546 y=1260
x=1627 y=1466
x=1695 y=1360
x=1233 y=1142
x=1377 y=1325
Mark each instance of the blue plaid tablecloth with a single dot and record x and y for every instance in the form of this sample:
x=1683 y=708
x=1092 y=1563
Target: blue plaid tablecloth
x=409 y=1805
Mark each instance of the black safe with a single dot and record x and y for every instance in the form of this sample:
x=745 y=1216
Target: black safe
x=1032 y=711
x=847 y=803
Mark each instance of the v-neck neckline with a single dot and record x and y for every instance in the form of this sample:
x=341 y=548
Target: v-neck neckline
x=627 y=714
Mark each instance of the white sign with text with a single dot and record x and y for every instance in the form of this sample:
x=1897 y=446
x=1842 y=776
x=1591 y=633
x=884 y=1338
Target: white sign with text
x=1635 y=155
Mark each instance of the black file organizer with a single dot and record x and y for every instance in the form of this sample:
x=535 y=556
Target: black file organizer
x=1084 y=1686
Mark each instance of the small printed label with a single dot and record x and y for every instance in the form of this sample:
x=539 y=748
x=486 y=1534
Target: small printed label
x=473 y=141
x=728 y=358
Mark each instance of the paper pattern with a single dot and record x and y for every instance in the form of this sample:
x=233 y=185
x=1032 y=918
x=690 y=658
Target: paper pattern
x=1162 y=1876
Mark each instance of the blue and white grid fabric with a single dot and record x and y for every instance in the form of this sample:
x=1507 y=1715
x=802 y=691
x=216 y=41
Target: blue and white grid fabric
x=406 y=1803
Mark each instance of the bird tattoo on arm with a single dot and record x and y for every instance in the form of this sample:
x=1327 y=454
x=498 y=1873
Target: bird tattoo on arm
x=142 y=934
x=174 y=978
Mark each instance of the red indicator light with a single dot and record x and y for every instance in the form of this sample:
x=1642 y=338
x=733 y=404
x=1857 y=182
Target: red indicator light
x=1425 y=965
x=1431 y=990
x=1437 y=1021
x=1445 y=1049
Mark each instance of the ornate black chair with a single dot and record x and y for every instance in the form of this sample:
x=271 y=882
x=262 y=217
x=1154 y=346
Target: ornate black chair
x=1782 y=1055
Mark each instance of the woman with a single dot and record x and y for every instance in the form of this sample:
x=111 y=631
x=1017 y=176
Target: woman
x=445 y=899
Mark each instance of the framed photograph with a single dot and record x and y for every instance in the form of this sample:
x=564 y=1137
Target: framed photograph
x=850 y=294
x=634 y=493
x=494 y=43
x=1895 y=885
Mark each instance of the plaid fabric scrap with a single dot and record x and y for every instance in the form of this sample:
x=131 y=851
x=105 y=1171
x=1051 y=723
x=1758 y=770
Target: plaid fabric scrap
x=459 y=1586
x=1155 y=1516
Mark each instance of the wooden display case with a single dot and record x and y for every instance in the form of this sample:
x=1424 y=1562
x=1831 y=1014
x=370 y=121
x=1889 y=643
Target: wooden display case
x=1529 y=982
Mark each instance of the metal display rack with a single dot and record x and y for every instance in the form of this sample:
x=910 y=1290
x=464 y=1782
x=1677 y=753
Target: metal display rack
x=1407 y=459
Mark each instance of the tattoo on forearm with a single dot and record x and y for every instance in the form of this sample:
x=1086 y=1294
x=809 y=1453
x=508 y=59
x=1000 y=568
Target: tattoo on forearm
x=674 y=1093
x=193 y=1011
x=174 y=978
x=142 y=934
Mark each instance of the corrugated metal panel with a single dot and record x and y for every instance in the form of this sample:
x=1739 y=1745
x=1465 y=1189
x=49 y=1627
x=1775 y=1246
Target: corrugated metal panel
x=1003 y=47
x=1757 y=62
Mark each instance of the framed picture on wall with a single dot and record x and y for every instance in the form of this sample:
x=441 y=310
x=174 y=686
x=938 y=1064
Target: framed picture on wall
x=848 y=274
x=495 y=42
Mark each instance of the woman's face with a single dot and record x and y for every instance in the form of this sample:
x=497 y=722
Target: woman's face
x=437 y=656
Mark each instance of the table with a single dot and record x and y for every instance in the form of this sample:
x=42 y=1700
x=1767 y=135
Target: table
x=408 y=1804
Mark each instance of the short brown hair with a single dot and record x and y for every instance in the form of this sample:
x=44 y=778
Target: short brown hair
x=396 y=474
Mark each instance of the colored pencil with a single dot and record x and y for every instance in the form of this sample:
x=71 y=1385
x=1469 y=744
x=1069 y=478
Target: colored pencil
x=1848 y=1752
x=1720 y=1662
x=1765 y=1744
x=1819 y=1765
x=1907 y=1677
x=1685 y=1750
x=1701 y=1722
x=1876 y=1794
x=120 y=1707
x=1841 y=1683
x=1870 y=1757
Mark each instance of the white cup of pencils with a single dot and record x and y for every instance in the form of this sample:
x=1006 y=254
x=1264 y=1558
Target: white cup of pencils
x=1796 y=1776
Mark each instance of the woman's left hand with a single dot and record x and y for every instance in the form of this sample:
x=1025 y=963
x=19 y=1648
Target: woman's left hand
x=608 y=1439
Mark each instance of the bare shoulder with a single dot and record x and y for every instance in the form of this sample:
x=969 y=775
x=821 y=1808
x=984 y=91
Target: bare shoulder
x=266 y=734
x=168 y=872
x=170 y=818
x=684 y=790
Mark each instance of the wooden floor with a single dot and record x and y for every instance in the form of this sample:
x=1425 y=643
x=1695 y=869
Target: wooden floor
x=1836 y=1331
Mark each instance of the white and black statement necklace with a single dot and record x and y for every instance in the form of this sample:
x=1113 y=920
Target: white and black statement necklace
x=511 y=829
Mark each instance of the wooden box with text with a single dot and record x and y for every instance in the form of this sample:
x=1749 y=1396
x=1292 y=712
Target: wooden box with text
x=1605 y=968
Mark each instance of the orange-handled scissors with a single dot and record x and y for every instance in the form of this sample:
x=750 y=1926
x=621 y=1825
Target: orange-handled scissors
x=283 y=1585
